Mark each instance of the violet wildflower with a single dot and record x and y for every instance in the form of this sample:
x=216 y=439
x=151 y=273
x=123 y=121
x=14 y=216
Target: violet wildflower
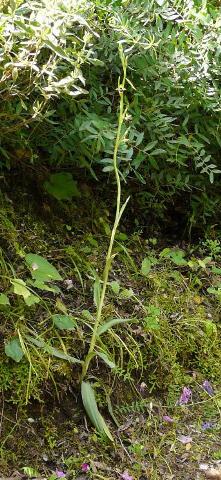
x=185 y=439
x=207 y=426
x=185 y=396
x=126 y=476
x=85 y=467
x=59 y=473
x=167 y=419
x=208 y=387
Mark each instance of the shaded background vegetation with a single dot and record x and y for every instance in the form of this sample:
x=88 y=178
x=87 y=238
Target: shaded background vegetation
x=59 y=72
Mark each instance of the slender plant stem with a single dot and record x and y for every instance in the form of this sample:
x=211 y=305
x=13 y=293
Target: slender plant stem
x=118 y=213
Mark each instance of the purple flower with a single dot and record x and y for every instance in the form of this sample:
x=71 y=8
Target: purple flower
x=167 y=419
x=126 y=476
x=85 y=467
x=185 y=396
x=185 y=439
x=207 y=425
x=59 y=473
x=208 y=387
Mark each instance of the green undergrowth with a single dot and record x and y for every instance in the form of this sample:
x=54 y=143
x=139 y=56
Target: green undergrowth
x=165 y=301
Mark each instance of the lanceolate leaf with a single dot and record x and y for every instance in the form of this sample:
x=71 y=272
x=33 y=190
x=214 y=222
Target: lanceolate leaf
x=111 y=323
x=90 y=405
x=39 y=342
x=55 y=352
x=106 y=359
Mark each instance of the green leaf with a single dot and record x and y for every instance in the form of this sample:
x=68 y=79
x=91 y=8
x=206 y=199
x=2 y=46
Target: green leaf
x=177 y=257
x=151 y=323
x=62 y=186
x=39 y=342
x=47 y=288
x=31 y=472
x=115 y=287
x=111 y=323
x=139 y=139
x=41 y=269
x=210 y=327
x=96 y=62
x=165 y=252
x=4 y=300
x=90 y=405
x=106 y=359
x=13 y=350
x=216 y=270
x=87 y=315
x=31 y=300
x=58 y=50
x=64 y=322
x=127 y=293
x=146 y=266
x=55 y=352
x=19 y=288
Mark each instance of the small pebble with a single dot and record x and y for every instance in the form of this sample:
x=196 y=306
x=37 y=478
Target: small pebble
x=31 y=420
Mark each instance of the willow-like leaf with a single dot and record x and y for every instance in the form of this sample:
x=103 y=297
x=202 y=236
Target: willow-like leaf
x=90 y=405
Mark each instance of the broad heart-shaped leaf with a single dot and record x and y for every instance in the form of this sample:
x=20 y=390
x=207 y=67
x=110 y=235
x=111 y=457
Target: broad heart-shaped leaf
x=13 y=350
x=111 y=323
x=90 y=405
x=62 y=186
x=19 y=287
x=178 y=257
x=63 y=322
x=146 y=266
x=41 y=269
x=4 y=300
